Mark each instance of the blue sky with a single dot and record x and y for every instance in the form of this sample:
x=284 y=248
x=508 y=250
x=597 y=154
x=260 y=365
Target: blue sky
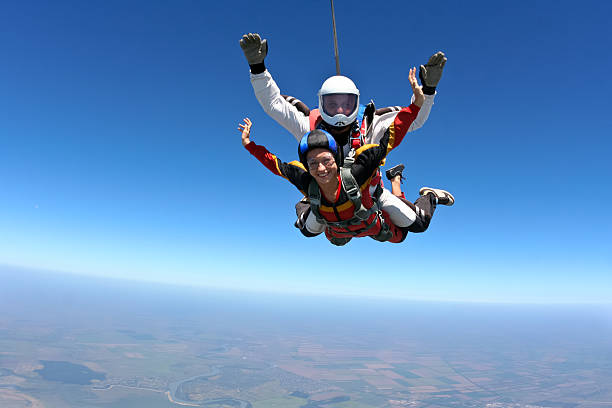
x=119 y=155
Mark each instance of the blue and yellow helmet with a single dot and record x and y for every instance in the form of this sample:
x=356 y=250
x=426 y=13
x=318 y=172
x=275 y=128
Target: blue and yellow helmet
x=318 y=138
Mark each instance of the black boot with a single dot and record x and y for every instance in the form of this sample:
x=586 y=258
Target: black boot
x=394 y=172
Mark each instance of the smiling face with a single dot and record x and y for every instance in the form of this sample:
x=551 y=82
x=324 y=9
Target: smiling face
x=322 y=166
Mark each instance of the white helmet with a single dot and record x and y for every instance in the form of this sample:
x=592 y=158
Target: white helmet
x=338 y=101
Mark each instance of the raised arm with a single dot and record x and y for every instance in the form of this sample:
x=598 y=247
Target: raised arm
x=369 y=157
x=417 y=90
x=384 y=122
x=267 y=92
x=430 y=75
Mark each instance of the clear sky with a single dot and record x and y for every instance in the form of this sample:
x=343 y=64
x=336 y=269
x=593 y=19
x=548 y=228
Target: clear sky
x=119 y=155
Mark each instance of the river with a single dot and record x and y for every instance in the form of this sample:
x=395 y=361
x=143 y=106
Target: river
x=213 y=371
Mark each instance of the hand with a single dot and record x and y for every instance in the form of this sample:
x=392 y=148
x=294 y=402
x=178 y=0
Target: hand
x=419 y=98
x=246 y=131
x=255 y=50
x=431 y=73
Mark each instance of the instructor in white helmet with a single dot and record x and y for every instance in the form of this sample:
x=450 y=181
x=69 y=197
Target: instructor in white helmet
x=287 y=115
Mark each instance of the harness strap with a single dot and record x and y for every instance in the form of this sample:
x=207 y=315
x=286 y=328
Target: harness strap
x=314 y=196
x=354 y=194
x=358 y=132
x=385 y=233
x=314 y=118
x=377 y=192
x=345 y=224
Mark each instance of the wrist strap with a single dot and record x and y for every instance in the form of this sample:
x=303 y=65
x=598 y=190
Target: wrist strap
x=429 y=90
x=257 y=68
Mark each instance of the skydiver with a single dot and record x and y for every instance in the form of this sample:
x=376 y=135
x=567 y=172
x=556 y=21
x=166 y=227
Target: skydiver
x=328 y=184
x=339 y=113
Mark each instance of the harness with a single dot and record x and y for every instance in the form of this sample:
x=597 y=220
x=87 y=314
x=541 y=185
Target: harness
x=361 y=213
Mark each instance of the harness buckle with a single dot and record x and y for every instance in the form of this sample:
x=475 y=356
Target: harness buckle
x=385 y=233
x=362 y=213
x=353 y=191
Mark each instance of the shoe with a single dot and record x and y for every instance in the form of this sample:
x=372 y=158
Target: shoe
x=302 y=209
x=443 y=196
x=394 y=172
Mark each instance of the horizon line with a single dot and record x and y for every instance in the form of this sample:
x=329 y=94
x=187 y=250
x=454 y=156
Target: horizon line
x=286 y=291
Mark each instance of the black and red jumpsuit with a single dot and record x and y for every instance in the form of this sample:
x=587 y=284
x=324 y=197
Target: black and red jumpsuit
x=367 y=160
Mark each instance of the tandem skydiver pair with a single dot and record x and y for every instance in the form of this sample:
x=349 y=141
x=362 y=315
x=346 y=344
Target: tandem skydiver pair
x=342 y=144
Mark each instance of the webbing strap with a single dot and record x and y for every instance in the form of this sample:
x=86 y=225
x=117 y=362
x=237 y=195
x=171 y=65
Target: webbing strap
x=377 y=192
x=354 y=194
x=358 y=132
x=385 y=233
x=314 y=196
x=345 y=224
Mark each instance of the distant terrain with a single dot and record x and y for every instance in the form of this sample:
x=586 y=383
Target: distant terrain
x=68 y=341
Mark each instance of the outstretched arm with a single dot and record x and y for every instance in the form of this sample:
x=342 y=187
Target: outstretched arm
x=396 y=131
x=404 y=119
x=383 y=120
x=430 y=75
x=294 y=171
x=267 y=92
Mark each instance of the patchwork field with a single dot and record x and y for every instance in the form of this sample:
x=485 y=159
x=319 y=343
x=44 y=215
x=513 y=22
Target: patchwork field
x=175 y=350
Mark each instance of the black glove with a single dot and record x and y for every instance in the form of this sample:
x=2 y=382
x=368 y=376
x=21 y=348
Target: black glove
x=255 y=51
x=431 y=73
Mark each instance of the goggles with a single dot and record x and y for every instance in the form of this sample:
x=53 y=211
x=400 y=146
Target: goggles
x=339 y=104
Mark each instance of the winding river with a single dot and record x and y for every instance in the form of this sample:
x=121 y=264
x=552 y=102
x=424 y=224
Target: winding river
x=213 y=371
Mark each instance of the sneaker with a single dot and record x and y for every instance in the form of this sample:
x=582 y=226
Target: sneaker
x=394 y=172
x=302 y=209
x=443 y=196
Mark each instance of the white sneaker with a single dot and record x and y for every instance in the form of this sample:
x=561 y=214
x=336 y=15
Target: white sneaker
x=443 y=196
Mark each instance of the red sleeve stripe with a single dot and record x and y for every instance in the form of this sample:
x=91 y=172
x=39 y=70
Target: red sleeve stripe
x=265 y=157
x=401 y=124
